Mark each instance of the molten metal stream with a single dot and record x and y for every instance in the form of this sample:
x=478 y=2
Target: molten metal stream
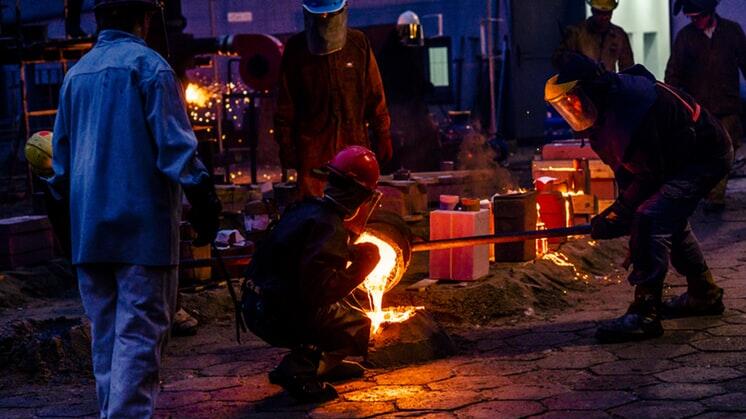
x=376 y=284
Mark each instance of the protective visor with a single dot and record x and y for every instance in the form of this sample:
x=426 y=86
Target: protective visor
x=572 y=103
x=357 y=221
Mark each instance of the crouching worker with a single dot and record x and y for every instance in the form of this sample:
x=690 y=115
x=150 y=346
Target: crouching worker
x=297 y=291
x=667 y=153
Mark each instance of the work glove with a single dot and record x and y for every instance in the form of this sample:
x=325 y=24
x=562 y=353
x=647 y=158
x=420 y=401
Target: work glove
x=612 y=222
x=385 y=150
x=365 y=257
x=204 y=216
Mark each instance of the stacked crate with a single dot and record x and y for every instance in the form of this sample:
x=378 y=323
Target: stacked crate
x=25 y=240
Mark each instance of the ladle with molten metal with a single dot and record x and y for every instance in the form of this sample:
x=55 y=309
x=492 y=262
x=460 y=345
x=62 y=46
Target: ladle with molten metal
x=395 y=250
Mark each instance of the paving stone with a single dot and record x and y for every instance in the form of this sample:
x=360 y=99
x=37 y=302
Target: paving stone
x=663 y=351
x=615 y=382
x=173 y=400
x=562 y=377
x=243 y=368
x=475 y=382
x=438 y=400
x=658 y=409
x=524 y=392
x=19 y=413
x=712 y=359
x=203 y=384
x=209 y=409
x=193 y=362
x=729 y=330
x=352 y=409
x=353 y=385
x=417 y=375
x=249 y=392
x=721 y=415
x=633 y=366
x=735 y=318
x=588 y=400
x=501 y=409
x=542 y=340
x=720 y=344
x=69 y=410
x=20 y=402
x=699 y=375
x=680 y=391
x=494 y=367
x=383 y=393
x=573 y=414
x=727 y=402
x=575 y=360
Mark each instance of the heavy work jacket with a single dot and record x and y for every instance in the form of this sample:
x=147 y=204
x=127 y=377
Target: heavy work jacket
x=328 y=102
x=304 y=260
x=123 y=146
x=611 y=48
x=707 y=68
x=648 y=133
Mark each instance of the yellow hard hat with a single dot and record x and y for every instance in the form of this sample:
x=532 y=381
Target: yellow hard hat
x=604 y=5
x=38 y=151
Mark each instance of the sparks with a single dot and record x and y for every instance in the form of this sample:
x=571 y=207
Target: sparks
x=197 y=95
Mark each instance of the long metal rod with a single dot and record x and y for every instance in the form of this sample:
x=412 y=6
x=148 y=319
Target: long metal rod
x=501 y=238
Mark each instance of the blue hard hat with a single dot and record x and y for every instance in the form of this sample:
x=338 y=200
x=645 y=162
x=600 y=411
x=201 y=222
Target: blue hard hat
x=323 y=6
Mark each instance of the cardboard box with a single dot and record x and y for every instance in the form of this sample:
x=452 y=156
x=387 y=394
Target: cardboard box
x=567 y=150
x=512 y=213
x=463 y=263
x=604 y=189
x=583 y=204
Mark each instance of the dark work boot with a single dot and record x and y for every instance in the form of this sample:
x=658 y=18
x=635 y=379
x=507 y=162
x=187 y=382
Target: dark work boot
x=702 y=298
x=639 y=323
x=296 y=373
x=345 y=370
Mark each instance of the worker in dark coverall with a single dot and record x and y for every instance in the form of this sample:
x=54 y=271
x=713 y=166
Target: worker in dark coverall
x=297 y=291
x=707 y=55
x=406 y=84
x=598 y=38
x=330 y=94
x=667 y=153
x=123 y=152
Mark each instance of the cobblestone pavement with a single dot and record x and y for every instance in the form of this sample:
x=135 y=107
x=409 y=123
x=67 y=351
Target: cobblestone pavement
x=537 y=367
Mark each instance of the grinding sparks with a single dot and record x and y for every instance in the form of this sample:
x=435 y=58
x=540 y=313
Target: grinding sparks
x=377 y=282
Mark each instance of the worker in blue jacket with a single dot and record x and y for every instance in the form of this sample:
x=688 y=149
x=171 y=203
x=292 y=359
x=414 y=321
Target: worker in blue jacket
x=667 y=153
x=123 y=152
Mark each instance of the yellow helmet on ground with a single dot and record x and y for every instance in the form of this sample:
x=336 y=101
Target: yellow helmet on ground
x=603 y=5
x=38 y=153
x=572 y=103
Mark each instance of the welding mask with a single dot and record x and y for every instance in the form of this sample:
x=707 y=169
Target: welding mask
x=326 y=25
x=572 y=103
x=409 y=29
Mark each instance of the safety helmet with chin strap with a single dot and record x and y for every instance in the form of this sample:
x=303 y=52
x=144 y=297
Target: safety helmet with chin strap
x=101 y=4
x=603 y=5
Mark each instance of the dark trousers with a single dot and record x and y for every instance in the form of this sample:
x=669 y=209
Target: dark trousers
x=661 y=232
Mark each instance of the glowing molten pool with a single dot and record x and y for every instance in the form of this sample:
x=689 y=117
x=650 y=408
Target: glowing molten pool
x=381 y=279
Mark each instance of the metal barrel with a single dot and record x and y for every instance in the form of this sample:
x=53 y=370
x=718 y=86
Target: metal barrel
x=501 y=238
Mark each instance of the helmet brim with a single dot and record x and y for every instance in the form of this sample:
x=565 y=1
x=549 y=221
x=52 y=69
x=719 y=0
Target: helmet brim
x=325 y=9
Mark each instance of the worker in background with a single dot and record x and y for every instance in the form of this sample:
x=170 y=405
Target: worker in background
x=598 y=38
x=330 y=94
x=297 y=290
x=415 y=135
x=667 y=153
x=123 y=149
x=707 y=55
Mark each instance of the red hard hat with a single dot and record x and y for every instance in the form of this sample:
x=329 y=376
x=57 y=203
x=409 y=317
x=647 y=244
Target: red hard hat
x=357 y=163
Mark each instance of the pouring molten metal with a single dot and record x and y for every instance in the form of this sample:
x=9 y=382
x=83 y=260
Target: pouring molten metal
x=384 y=276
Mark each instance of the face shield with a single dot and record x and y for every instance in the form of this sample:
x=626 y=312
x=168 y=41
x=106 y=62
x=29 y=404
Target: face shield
x=326 y=33
x=409 y=29
x=356 y=222
x=572 y=103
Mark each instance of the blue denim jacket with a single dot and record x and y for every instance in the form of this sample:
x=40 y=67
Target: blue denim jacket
x=122 y=148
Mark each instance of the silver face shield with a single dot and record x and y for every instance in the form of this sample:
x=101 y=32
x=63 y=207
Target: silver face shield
x=325 y=33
